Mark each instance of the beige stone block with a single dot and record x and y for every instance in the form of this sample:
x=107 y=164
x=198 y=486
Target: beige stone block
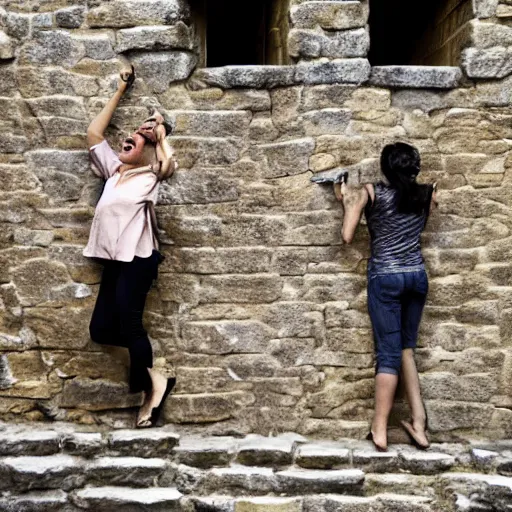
x=418 y=124
x=363 y=99
x=285 y=109
x=445 y=416
x=206 y=380
x=327 y=96
x=322 y=162
x=356 y=340
x=206 y=408
x=268 y=504
x=60 y=328
x=475 y=387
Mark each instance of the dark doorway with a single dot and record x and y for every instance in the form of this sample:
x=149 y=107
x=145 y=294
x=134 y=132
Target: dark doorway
x=242 y=32
x=422 y=32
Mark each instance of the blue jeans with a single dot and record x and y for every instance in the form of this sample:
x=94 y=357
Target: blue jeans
x=395 y=304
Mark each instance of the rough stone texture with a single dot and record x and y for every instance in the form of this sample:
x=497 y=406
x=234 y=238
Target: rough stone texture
x=259 y=309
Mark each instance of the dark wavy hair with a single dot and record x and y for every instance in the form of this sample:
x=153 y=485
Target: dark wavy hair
x=401 y=164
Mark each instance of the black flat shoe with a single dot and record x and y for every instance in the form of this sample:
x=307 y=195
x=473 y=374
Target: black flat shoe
x=157 y=411
x=379 y=448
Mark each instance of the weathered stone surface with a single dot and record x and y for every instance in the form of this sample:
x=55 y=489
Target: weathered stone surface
x=96 y=395
x=82 y=444
x=128 y=471
x=485 y=8
x=337 y=71
x=248 y=76
x=495 y=62
x=51 y=501
x=265 y=451
x=143 y=444
x=175 y=37
x=335 y=45
x=416 y=77
x=325 y=121
x=268 y=504
x=29 y=443
x=427 y=463
x=70 y=17
x=160 y=69
x=6 y=46
x=107 y=499
x=329 y=15
x=341 y=481
x=206 y=452
x=130 y=13
x=287 y=158
x=325 y=455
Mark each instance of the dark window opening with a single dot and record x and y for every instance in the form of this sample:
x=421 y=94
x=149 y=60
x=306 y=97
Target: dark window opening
x=417 y=32
x=241 y=32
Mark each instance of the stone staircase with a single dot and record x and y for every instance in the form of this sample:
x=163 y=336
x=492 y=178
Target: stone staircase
x=60 y=469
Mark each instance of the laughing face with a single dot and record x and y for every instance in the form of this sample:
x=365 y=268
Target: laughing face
x=132 y=149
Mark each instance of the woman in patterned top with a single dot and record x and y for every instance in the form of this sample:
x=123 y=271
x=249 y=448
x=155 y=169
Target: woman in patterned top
x=123 y=238
x=396 y=215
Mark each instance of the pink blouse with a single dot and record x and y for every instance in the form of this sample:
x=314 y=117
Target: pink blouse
x=124 y=224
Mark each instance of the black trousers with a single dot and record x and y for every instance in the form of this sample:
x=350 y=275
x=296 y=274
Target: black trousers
x=117 y=316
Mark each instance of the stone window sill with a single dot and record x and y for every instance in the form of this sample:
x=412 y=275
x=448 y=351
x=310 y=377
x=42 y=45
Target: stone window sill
x=339 y=71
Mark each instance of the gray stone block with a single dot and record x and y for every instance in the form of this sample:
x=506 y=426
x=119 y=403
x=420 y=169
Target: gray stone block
x=259 y=77
x=125 y=471
x=372 y=461
x=304 y=481
x=29 y=442
x=495 y=62
x=257 y=450
x=322 y=455
x=145 y=443
x=6 y=46
x=83 y=444
x=113 y=499
x=414 y=77
x=426 y=463
x=329 y=15
x=175 y=37
x=338 y=71
x=70 y=17
x=44 y=501
x=206 y=452
x=236 y=479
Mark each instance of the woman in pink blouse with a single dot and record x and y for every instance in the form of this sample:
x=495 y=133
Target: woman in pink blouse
x=123 y=238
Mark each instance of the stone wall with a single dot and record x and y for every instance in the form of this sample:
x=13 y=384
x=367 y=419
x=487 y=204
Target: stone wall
x=259 y=309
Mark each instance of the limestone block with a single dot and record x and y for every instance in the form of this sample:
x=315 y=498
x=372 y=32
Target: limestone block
x=268 y=504
x=257 y=450
x=206 y=408
x=337 y=314
x=52 y=501
x=234 y=99
x=131 y=13
x=328 y=288
x=143 y=444
x=159 y=69
x=259 y=77
x=495 y=62
x=291 y=351
x=210 y=151
x=35 y=278
x=208 y=260
x=472 y=387
x=6 y=47
x=369 y=99
x=256 y=288
x=211 y=124
x=98 y=46
x=97 y=395
x=326 y=96
x=319 y=481
x=128 y=471
x=285 y=109
x=445 y=416
x=293 y=319
x=29 y=443
x=70 y=17
x=36 y=81
x=208 y=452
x=322 y=162
x=15 y=24
x=17 y=177
x=427 y=463
x=262 y=129
x=326 y=121
x=198 y=187
x=337 y=45
x=489 y=35
x=355 y=340
x=329 y=15
x=287 y=158
x=337 y=71
x=367 y=459
x=485 y=8
x=84 y=444
x=52 y=472
x=105 y=499
x=7 y=77
x=504 y=11
x=225 y=337
x=175 y=37
x=53 y=48
x=80 y=268
x=333 y=502
x=434 y=77
x=322 y=455
x=241 y=479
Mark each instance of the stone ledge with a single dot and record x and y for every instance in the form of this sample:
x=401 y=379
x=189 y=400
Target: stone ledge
x=350 y=71
x=416 y=77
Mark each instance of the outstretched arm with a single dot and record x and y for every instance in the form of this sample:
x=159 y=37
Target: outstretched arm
x=96 y=130
x=354 y=200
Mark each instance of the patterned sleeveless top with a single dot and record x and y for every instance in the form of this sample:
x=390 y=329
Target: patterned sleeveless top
x=395 y=237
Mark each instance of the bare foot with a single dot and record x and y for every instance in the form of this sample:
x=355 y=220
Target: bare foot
x=153 y=399
x=379 y=437
x=417 y=432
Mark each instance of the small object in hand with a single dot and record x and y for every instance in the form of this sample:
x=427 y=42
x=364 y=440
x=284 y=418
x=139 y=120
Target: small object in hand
x=341 y=177
x=128 y=77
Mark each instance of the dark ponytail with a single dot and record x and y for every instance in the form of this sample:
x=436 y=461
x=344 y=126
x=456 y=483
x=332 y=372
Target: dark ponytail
x=400 y=163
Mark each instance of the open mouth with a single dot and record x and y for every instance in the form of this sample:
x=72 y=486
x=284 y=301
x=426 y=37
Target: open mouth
x=128 y=145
